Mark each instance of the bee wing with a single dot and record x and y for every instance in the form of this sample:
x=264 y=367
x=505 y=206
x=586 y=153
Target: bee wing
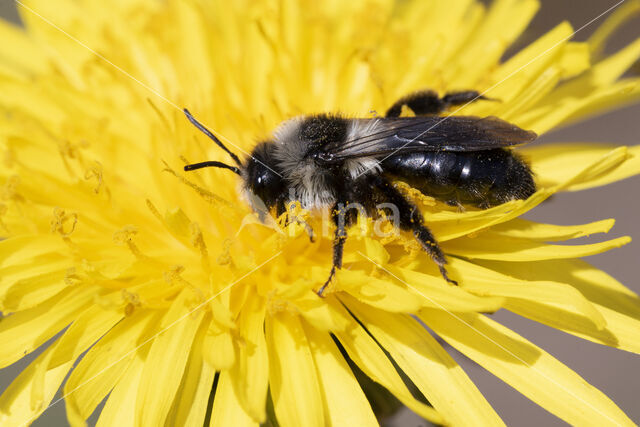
x=385 y=136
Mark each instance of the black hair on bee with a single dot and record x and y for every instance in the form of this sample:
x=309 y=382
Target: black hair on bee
x=329 y=161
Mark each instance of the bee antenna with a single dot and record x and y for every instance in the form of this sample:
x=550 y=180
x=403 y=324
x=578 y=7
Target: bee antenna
x=212 y=136
x=211 y=164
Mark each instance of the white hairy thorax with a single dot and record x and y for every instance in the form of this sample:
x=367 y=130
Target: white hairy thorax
x=309 y=183
x=360 y=128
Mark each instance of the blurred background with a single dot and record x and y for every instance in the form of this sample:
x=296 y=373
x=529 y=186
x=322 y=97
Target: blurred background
x=615 y=372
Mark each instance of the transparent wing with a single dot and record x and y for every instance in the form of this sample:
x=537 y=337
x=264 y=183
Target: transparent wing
x=428 y=133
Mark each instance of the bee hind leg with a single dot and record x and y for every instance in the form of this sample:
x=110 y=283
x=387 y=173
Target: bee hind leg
x=411 y=219
x=430 y=245
x=429 y=102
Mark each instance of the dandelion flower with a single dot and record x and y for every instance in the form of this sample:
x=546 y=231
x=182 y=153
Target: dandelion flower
x=168 y=300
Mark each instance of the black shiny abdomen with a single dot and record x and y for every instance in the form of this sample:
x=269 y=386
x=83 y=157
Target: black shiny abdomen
x=479 y=178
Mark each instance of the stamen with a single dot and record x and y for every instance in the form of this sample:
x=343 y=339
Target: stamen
x=197 y=240
x=69 y=150
x=125 y=237
x=174 y=276
x=9 y=190
x=276 y=305
x=132 y=302
x=59 y=221
x=154 y=210
x=163 y=118
x=71 y=277
x=225 y=257
x=205 y=194
x=95 y=171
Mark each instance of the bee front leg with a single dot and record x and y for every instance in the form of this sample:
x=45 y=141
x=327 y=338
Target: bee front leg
x=429 y=102
x=338 y=218
x=307 y=228
x=281 y=208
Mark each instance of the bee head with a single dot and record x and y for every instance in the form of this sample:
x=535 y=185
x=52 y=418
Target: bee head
x=262 y=179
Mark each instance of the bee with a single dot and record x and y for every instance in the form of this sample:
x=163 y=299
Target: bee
x=331 y=161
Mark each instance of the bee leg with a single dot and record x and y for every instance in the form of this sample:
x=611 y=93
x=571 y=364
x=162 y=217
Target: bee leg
x=421 y=103
x=484 y=204
x=430 y=245
x=429 y=102
x=303 y=223
x=457 y=204
x=411 y=219
x=463 y=97
x=338 y=218
x=307 y=228
x=281 y=208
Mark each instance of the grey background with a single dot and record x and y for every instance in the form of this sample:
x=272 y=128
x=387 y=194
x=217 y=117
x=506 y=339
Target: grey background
x=615 y=372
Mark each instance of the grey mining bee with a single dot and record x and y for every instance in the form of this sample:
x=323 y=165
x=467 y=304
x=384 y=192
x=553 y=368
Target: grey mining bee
x=330 y=161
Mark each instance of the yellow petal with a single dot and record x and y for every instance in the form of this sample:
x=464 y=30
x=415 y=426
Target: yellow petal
x=625 y=12
x=503 y=23
x=510 y=249
x=521 y=228
x=227 y=410
x=612 y=68
x=378 y=292
x=85 y=330
x=23 y=332
x=518 y=72
x=166 y=362
x=527 y=368
x=618 y=305
x=587 y=94
x=434 y=372
x=88 y=327
x=411 y=288
x=218 y=350
x=40 y=281
x=104 y=364
x=576 y=59
x=450 y=225
x=19 y=52
x=321 y=315
x=17 y=402
x=250 y=374
x=195 y=51
x=344 y=401
x=190 y=404
x=370 y=358
x=18 y=250
x=554 y=163
x=565 y=319
x=178 y=225
x=433 y=291
x=484 y=281
x=587 y=170
x=295 y=390
x=120 y=409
